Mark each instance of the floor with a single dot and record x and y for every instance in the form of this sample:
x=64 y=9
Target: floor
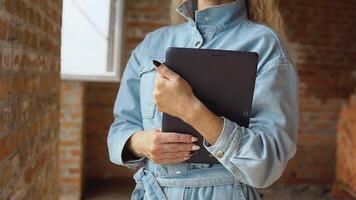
x=121 y=190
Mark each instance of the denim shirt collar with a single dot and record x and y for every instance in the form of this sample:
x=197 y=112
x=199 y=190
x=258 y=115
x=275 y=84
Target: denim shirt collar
x=220 y=16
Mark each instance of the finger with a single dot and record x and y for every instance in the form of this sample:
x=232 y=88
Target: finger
x=167 y=73
x=172 y=137
x=160 y=78
x=180 y=147
x=171 y=161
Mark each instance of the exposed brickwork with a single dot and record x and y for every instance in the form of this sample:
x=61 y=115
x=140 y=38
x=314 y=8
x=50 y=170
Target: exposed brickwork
x=99 y=106
x=346 y=148
x=322 y=36
x=322 y=39
x=71 y=142
x=29 y=98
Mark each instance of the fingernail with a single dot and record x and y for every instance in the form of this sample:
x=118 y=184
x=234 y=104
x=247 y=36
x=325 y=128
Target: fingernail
x=196 y=147
x=194 y=139
x=156 y=63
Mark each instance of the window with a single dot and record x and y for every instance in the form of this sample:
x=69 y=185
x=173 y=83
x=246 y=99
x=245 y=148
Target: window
x=91 y=40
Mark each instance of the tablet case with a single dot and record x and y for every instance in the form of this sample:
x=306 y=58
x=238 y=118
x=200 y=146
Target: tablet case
x=223 y=80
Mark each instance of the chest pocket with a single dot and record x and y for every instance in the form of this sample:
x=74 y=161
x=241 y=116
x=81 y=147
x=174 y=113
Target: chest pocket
x=147 y=81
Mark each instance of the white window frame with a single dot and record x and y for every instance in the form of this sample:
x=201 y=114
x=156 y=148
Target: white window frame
x=115 y=44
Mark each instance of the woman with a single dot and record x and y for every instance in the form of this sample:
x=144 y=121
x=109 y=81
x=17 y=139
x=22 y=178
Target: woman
x=250 y=158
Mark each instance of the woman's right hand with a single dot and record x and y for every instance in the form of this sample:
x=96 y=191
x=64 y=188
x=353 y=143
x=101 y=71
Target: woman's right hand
x=162 y=147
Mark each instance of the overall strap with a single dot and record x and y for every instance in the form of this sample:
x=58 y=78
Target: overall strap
x=150 y=184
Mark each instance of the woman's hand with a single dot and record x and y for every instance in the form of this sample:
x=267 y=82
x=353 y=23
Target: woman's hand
x=172 y=94
x=162 y=147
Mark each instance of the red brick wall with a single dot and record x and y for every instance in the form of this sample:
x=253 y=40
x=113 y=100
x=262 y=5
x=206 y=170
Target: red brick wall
x=29 y=98
x=322 y=39
x=71 y=139
x=99 y=101
x=346 y=148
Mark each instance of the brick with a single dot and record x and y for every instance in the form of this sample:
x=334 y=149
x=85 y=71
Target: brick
x=3 y=88
x=75 y=170
x=3 y=30
x=9 y=5
x=346 y=147
x=4 y=151
x=64 y=162
x=76 y=152
x=28 y=144
x=70 y=181
x=68 y=143
x=12 y=142
x=6 y=173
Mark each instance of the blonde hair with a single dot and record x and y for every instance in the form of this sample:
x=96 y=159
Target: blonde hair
x=264 y=12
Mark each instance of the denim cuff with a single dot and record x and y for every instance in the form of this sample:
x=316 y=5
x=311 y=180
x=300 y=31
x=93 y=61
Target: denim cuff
x=222 y=146
x=134 y=164
x=128 y=158
x=118 y=150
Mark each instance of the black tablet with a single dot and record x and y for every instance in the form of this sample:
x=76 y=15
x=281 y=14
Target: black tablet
x=223 y=80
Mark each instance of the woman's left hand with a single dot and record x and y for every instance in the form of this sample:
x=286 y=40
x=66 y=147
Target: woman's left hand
x=172 y=94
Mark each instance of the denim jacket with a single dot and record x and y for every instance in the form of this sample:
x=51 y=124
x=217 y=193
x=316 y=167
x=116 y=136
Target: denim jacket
x=253 y=157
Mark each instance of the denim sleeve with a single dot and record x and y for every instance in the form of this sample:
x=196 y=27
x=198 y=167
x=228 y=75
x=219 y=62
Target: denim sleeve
x=257 y=155
x=127 y=115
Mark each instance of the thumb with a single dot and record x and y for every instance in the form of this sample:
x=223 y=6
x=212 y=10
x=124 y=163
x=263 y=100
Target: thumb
x=165 y=71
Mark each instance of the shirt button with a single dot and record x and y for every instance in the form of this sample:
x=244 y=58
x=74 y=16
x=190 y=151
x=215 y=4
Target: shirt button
x=206 y=18
x=219 y=154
